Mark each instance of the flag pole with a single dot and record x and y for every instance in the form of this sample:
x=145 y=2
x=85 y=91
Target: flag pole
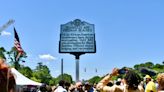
x=18 y=47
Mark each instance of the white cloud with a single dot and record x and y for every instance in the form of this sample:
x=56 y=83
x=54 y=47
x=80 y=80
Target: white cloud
x=47 y=57
x=4 y=33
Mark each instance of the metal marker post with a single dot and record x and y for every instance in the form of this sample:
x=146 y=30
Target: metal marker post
x=77 y=57
x=77 y=70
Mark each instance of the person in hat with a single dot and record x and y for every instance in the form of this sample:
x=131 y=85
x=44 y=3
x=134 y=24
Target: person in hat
x=150 y=85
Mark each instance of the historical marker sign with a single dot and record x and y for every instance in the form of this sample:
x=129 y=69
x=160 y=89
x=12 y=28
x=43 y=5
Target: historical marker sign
x=77 y=37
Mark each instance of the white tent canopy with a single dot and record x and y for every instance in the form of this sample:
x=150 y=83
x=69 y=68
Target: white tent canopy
x=22 y=80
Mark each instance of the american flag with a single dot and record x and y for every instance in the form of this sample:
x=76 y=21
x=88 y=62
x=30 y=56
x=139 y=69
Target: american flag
x=17 y=45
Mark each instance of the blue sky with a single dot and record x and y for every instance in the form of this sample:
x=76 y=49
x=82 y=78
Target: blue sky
x=128 y=32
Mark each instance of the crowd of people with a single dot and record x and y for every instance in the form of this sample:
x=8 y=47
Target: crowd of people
x=67 y=87
x=130 y=83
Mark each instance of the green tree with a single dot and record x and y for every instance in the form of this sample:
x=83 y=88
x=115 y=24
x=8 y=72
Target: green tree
x=159 y=68
x=26 y=71
x=136 y=67
x=42 y=74
x=52 y=82
x=94 y=79
x=2 y=52
x=66 y=77
x=12 y=54
x=149 y=65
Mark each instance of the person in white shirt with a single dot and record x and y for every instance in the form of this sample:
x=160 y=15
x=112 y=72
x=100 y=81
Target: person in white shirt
x=61 y=88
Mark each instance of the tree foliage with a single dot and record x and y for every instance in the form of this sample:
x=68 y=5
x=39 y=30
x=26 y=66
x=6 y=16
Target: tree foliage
x=12 y=54
x=94 y=79
x=52 y=82
x=2 y=52
x=42 y=73
x=66 y=77
x=151 y=67
x=26 y=71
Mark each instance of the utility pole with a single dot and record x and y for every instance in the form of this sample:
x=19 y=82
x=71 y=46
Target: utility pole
x=62 y=68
